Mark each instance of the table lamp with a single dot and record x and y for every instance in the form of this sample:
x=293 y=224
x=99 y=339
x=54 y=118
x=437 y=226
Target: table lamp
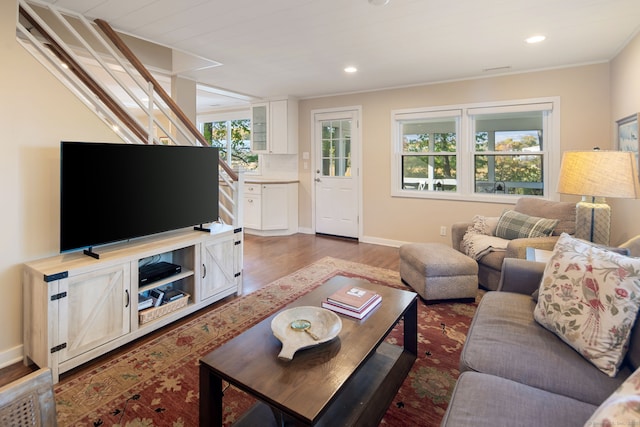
x=595 y=175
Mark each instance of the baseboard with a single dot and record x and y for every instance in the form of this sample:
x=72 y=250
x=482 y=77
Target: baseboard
x=11 y=356
x=364 y=239
x=383 y=242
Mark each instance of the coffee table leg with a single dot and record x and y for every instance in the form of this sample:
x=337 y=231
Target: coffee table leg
x=210 y=398
x=411 y=328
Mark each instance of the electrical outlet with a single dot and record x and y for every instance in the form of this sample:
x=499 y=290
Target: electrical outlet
x=443 y=230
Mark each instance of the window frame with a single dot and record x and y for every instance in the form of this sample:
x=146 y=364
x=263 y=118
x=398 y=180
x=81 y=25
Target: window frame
x=226 y=117
x=465 y=150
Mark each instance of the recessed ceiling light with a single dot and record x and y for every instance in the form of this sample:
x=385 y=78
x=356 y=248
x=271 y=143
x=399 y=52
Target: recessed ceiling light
x=379 y=2
x=350 y=69
x=535 y=39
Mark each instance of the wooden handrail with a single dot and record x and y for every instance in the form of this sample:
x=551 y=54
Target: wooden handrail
x=82 y=75
x=173 y=106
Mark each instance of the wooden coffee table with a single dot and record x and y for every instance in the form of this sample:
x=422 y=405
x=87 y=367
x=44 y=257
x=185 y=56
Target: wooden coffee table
x=348 y=381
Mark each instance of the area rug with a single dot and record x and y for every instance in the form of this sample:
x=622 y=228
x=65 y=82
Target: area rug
x=156 y=384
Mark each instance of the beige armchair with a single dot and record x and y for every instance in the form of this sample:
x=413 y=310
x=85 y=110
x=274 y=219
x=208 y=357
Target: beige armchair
x=490 y=265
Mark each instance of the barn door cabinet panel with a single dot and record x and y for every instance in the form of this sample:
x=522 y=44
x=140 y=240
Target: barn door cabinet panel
x=77 y=308
x=218 y=269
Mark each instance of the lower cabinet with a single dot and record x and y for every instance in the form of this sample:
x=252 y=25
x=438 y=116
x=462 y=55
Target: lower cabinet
x=271 y=208
x=218 y=268
x=77 y=308
x=93 y=309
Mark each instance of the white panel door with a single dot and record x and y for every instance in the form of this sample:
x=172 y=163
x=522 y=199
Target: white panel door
x=336 y=173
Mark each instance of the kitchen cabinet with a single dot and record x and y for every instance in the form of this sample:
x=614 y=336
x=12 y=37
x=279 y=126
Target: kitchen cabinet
x=274 y=127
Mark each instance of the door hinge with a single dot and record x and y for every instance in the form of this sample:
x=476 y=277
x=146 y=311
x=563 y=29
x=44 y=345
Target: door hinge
x=237 y=274
x=237 y=230
x=57 y=276
x=58 y=347
x=61 y=295
x=239 y=242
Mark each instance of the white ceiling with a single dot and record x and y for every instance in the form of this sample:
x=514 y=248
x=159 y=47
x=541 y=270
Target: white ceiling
x=271 y=48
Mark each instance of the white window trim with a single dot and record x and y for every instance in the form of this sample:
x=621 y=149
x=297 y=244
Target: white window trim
x=464 y=153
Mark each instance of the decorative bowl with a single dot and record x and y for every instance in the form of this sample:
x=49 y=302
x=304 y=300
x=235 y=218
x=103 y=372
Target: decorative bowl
x=325 y=325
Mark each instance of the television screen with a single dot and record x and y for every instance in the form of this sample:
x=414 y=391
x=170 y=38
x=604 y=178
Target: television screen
x=114 y=192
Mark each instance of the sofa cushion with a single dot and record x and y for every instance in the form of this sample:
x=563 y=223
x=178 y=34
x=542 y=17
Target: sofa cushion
x=564 y=212
x=516 y=225
x=622 y=408
x=482 y=400
x=494 y=259
x=589 y=297
x=505 y=340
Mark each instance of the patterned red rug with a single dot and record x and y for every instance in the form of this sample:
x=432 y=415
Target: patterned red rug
x=156 y=384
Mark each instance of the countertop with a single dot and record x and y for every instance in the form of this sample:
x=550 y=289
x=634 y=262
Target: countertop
x=258 y=180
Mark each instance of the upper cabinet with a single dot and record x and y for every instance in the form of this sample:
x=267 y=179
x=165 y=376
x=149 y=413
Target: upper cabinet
x=274 y=127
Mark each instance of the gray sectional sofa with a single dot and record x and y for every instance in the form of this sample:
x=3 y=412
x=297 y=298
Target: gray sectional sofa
x=515 y=372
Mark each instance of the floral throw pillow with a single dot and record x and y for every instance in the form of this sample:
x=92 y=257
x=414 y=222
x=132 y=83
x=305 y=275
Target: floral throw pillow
x=589 y=297
x=622 y=408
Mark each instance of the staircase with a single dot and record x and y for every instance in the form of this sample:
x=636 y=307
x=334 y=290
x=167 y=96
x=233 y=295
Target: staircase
x=94 y=62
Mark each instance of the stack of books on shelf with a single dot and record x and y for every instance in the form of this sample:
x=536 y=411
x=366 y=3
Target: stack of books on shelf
x=352 y=301
x=158 y=297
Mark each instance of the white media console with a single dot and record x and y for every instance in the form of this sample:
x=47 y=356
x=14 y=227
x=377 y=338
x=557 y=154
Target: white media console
x=77 y=308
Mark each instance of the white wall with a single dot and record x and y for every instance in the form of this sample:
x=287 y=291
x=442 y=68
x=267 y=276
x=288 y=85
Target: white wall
x=36 y=113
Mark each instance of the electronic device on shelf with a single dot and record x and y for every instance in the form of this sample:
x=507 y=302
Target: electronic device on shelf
x=156 y=271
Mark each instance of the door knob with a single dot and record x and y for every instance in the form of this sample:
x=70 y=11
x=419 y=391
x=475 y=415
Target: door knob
x=317 y=179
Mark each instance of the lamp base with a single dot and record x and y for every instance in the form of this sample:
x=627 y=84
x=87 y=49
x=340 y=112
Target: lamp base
x=593 y=220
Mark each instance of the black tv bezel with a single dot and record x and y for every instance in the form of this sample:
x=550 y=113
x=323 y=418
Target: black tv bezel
x=85 y=178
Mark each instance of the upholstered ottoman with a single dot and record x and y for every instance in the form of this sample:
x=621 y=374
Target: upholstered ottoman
x=437 y=271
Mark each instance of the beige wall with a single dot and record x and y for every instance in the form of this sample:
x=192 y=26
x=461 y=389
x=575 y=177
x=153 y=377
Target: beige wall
x=36 y=113
x=583 y=93
x=625 y=100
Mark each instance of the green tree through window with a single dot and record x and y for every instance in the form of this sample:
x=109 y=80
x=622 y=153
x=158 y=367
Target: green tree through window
x=233 y=137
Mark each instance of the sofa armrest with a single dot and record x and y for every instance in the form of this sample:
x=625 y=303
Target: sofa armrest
x=517 y=248
x=520 y=276
x=457 y=233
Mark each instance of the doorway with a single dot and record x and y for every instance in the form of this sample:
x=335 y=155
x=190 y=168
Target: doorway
x=336 y=172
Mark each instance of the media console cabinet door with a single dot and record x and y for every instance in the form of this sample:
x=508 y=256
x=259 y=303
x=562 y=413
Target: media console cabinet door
x=94 y=311
x=218 y=273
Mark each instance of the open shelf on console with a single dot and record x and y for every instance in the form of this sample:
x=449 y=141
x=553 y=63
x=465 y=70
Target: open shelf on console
x=159 y=283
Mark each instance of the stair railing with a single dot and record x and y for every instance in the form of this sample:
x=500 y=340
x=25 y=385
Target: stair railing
x=63 y=60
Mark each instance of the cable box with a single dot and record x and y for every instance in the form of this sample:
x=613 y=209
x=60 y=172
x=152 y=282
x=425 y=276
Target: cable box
x=158 y=270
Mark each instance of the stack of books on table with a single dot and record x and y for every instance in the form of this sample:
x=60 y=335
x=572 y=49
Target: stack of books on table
x=352 y=301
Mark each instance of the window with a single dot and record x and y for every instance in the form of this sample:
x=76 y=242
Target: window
x=233 y=137
x=336 y=148
x=487 y=151
x=429 y=153
x=508 y=155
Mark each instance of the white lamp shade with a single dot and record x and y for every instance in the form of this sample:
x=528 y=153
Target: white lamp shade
x=599 y=174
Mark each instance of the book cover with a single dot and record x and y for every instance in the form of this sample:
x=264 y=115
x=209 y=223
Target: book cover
x=352 y=313
x=352 y=297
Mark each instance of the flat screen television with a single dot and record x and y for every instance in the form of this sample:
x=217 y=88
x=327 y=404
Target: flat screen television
x=115 y=192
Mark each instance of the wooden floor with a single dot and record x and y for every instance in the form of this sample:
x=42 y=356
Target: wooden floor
x=265 y=260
